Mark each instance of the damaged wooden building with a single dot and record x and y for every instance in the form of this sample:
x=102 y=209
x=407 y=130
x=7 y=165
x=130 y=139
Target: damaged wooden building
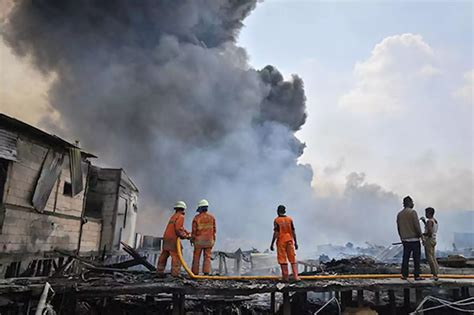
x=52 y=199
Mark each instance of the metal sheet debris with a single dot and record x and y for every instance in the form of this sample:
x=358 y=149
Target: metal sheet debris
x=52 y=166
x=76 y=170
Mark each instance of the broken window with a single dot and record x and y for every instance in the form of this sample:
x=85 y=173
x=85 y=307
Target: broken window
x=67 y=190
x=94 y=195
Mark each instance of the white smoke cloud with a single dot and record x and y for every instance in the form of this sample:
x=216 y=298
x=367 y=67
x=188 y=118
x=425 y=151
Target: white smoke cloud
x=418 y=141
x=392 y=77
x=465 y=93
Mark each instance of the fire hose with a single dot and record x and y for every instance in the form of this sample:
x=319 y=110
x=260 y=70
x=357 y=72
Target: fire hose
x=313 y=277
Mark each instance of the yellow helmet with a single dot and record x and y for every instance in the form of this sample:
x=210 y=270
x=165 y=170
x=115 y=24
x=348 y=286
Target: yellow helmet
x=180 y=205
x=203 y=203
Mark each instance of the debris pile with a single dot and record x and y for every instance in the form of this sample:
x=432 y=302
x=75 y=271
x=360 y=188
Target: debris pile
x=358 y=265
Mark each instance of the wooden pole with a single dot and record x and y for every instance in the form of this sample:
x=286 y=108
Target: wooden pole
x=418 y=295
x=178 y=304
x=272 y=303
x=406 y=299
x=346 y=298
x=360 y=298
x=286 y=304
x=392 y=302
x=377 y=298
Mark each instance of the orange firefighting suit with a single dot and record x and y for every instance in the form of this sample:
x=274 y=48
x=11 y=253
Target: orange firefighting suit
x=174 y=229
x=204 y=237
x=283 y=225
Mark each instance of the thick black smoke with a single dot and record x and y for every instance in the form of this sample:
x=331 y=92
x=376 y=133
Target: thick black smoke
x=161 y=88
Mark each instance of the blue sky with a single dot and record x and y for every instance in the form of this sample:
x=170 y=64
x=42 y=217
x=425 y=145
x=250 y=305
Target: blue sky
x=341 y=32
x=389 y=87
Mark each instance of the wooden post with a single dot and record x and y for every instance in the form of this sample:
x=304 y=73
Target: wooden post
x=300 y=300
x=360 y=298
x=406 y=299
x=221 y=265
x=456 y=294
x=377 y=298
x=465 y=292
x=286 y=303
x=178 y=304
x=418 y=295
x=392 y=302
x=272 y=303
x=346 y=298
x=238 y=262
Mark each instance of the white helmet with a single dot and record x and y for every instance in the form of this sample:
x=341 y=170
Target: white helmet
x=180 y=205
x=203 y=203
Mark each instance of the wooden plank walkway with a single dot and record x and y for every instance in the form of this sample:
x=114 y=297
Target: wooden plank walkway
x=106 y=286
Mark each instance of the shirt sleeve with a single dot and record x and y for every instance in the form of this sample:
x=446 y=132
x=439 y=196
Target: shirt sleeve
x=215 y=228
x=398 y=225
x=194 y=228
x=179 y=227
x=276 y=227
x=416 y=222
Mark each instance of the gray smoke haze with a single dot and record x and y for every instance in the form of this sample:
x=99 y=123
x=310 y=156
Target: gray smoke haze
x=160 y=88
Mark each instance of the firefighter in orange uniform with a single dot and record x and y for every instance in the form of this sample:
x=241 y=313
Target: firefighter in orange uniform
x=203 y=237
x=285 y=236
x=174 y=230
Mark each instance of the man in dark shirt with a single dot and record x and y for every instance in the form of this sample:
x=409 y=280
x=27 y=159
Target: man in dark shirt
x=409 y=230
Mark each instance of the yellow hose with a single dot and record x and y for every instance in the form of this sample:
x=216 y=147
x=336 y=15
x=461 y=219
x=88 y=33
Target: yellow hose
x=315 y=277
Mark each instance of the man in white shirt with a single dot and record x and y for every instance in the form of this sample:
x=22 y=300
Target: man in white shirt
x=429 y=241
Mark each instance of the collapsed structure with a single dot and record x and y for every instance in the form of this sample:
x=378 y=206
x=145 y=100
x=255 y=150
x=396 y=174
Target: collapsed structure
x=53 y=198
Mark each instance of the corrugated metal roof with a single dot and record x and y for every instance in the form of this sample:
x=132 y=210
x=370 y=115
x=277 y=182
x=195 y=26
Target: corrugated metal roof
x=8 y=145
x=16 y=125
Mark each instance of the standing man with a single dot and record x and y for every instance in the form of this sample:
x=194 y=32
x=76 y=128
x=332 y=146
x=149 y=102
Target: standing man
x=409 y=231
x=174 y=230
x=429 y=240
x=285 y=236
x=203 y=237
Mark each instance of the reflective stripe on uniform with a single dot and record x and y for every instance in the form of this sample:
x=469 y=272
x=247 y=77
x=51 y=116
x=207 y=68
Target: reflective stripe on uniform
x=204 y=243
x=202 y=226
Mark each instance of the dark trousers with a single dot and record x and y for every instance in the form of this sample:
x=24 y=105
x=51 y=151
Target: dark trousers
x=408 y=248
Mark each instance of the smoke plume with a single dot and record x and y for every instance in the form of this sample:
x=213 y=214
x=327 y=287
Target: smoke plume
x=160 y=88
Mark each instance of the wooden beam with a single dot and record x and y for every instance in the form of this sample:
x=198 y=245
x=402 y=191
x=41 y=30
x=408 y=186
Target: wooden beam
x=124 y=264
x=465 y=293
x=377 y=298
x=456 y=294
x=360 y=298
x=300 y=301
x=61 y=270
x=392 y=302
x=286 y=304
x=178 y=304
x=406 y=299
x=418 y=295
x=272 y=303
x=346 y=298
x=132 y=252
